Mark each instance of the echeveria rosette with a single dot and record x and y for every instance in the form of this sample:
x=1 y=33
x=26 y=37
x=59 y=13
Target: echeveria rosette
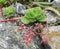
x=9 y=11
x=34 y=14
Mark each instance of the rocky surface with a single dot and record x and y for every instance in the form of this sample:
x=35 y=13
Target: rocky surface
x=11 y=38
x=56 y=3
x=20 y=9
x=52 y=18
x=54 y=37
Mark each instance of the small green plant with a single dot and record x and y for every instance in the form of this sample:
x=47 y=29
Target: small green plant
x=34 y=14
x=2 y=2
x=9 y=11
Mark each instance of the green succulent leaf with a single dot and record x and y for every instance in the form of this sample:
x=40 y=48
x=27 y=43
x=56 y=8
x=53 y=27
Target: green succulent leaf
x=24 y=20
x=34 y=14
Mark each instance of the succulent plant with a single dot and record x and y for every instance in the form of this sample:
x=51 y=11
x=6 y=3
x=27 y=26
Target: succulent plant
x=34 y=14
x=9 y=11
x=2 y=2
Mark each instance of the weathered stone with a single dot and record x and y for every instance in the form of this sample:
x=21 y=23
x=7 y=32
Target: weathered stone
x=11 y=38
x=51 y=17
x=53 y=37
x=20 y=9
x=56 y=3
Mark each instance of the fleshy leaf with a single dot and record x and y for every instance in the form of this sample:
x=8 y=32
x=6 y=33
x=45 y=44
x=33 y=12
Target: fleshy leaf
x=24 y=20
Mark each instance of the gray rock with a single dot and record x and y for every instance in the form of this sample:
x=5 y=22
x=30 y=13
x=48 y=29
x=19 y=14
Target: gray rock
x=54 y=28
x=11 y=38
x=20 y=9
x=52 y=18
x=54 y=36
x=56 y=3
